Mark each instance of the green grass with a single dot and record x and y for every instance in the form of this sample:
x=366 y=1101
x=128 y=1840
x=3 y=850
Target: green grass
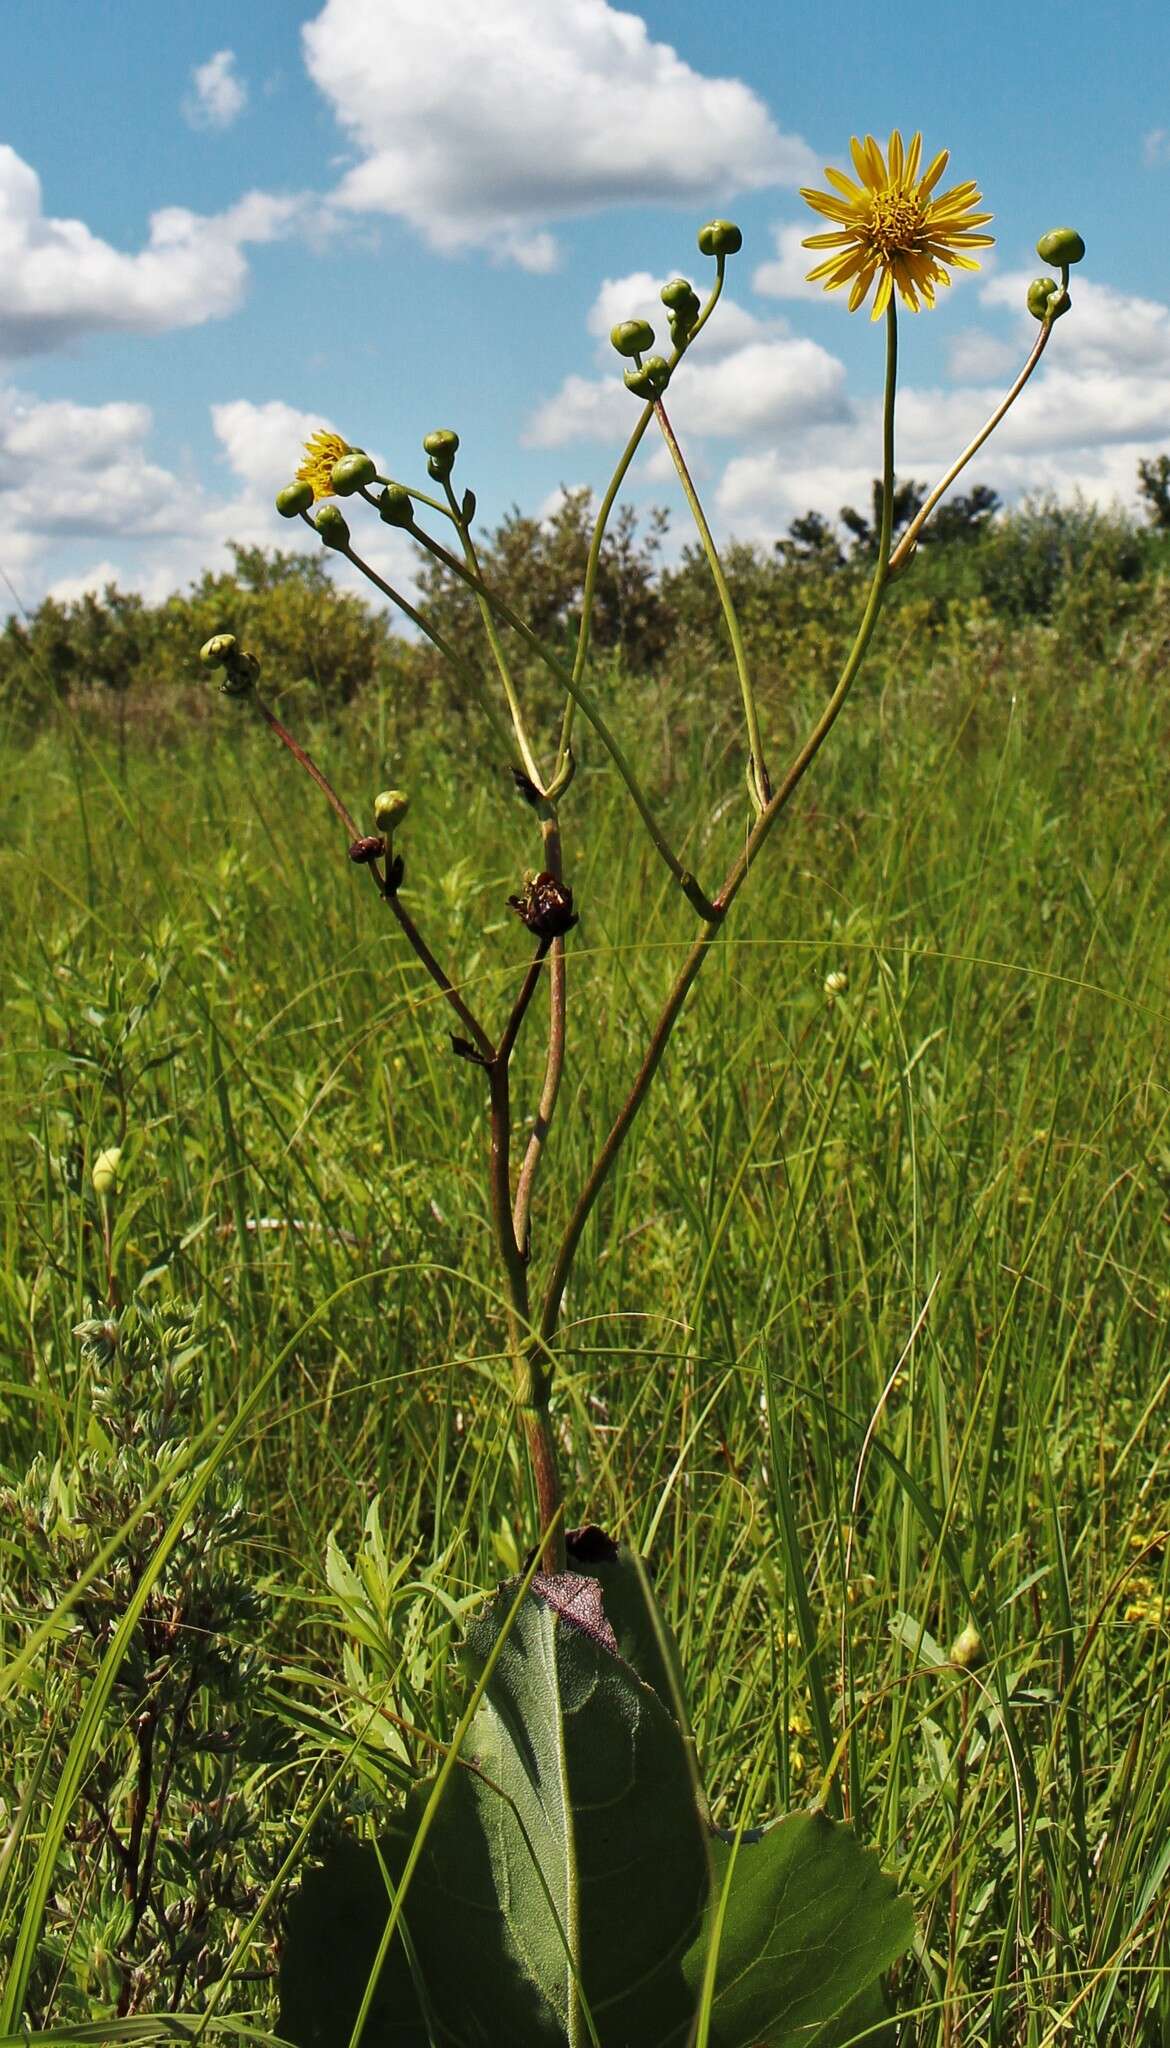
x=866 y=1343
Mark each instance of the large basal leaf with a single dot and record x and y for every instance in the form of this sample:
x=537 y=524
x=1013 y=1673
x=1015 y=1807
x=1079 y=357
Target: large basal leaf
x=568 y=1888
x=810 y=1923
x=567 y=1866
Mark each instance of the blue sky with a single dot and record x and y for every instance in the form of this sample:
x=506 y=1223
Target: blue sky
x=223 y=225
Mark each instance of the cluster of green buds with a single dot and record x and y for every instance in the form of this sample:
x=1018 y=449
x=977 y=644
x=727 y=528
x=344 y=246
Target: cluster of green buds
x=440 y=449
x=240 y=670
x=682 y=303
x=650 y=377
x=650 y=374
x=1047 y=299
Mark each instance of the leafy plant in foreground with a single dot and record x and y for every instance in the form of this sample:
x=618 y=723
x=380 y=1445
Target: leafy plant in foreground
x=558 y=1879
x=161 y=1862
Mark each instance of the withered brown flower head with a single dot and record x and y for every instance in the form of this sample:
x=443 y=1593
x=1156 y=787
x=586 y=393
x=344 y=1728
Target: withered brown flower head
x=545 y=906
x=371 y=847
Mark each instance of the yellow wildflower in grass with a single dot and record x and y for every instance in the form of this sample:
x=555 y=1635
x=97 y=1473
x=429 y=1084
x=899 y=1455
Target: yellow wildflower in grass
x=322 y=450
x=892 y=226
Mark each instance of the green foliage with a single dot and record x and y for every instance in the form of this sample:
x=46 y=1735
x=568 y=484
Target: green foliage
x=305 y=629
x=120 y=657
x=1154 y=486
x=163 y=1861
x=538 y=567
x=565 y=1887
x=953 y=1163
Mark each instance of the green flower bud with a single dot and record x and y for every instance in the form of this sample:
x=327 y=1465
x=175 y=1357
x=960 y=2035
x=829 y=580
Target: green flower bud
x=651 y=380
x=220 y=648
x=390 y=808
x=967 y=1649
x=104 y=1173
x=720 y=238
x=352 y=471
x=1060 y=245
x=294 y=498
x=632 y=337
x=683 y=301
x=395 y=505
x=332 y=527
x=441 y=447
x=1046 y=299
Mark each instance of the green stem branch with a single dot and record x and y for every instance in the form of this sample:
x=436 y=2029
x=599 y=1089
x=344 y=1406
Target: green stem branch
x=471 y=560
x=909 y=540
x=607 y=504
x=760 y=786
x=686 y=881
x=738 y=873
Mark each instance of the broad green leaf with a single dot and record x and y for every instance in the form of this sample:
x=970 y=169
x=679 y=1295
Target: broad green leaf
x=809 y=1924
x=564 y=1877
x=569 y=1888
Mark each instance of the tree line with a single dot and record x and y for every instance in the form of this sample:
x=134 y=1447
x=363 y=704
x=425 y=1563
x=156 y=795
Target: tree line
x=310 y=632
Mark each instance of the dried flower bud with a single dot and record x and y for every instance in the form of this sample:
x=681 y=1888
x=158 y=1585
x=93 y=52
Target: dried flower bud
x=390 y=808
x=1060 y=245
x=363 y=851
x=351 y=471
x=651 y=380
x=545 y=906
x=220 y=648
x=332 y=527
x=396 y=506
x=240 y=675
x=632 y=337
x=296 y=497
x=104 y=1174
x=441 y=447
x=720 y=238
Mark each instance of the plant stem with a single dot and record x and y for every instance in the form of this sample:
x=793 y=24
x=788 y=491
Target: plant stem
x=686 y=881
x=441 y=979
x=437 y=639
x=307 y=762
x=471 y=559
x=761 y=788
x=531 y=1378
x=607 y=505
x=909 y=540
x=738 y=872
x=555 y=1059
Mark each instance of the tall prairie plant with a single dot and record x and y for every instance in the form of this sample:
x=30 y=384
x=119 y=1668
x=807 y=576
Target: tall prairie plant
x=558 y=1879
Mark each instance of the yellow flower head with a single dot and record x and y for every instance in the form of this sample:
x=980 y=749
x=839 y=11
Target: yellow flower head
x=322 y=450
x=894 y=227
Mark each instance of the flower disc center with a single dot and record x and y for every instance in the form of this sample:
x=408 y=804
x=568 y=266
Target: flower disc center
x=895 y=221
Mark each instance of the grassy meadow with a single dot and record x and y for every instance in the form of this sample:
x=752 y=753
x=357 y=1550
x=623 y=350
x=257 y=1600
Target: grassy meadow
x=866 y=1347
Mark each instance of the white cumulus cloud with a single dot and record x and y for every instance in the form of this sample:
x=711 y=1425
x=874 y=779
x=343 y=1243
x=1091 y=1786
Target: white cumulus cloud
x=59 y=281
x=83 y=503
x=741 y=376
x=218 y=94
x=783 y=276
x=480 y=125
